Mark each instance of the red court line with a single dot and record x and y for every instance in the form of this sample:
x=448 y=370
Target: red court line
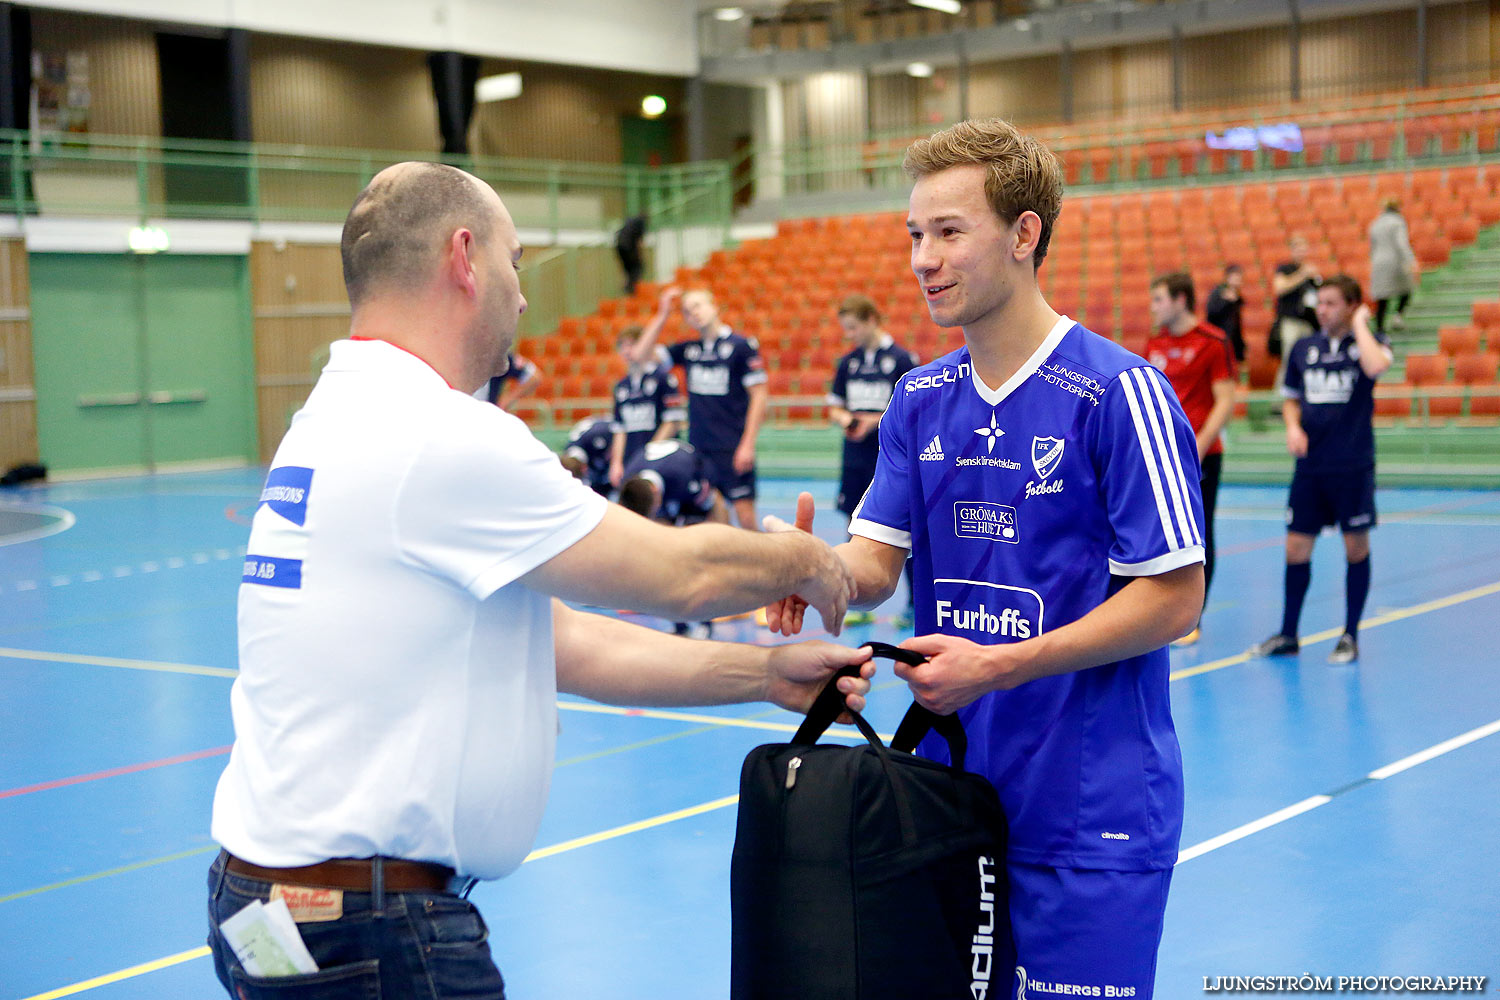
x=113 y=772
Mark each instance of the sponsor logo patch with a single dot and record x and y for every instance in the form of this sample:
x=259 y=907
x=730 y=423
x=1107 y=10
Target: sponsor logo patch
x=978 y=519
x=286 y=492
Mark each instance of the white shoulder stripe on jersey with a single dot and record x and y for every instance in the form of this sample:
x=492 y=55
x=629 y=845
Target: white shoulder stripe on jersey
x=879 y=532
x=1166 y=413
x=1160 y=415
x=1160 y=419
x=1148 y=456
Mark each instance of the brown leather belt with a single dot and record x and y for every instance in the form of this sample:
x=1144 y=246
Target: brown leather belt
x=352 y=873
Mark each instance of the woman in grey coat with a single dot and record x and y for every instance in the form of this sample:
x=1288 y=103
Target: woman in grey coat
x=1393 y=267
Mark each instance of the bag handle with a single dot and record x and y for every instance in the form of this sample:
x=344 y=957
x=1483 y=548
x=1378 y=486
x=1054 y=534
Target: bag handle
x=916 y=724
x=919 y=721
x=825 y=711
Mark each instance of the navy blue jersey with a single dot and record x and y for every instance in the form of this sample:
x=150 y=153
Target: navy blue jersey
x=862 y=383
x=519 y=371
x=683 y=476
x=720 y=373
x=643 y=402
x=1025 y=508
x=590 y=440
x=1338 y=402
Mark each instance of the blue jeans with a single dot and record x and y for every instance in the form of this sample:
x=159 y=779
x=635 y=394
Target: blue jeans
x=402 y=946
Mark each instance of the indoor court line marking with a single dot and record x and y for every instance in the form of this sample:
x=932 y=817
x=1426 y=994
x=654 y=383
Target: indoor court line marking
x=113 y=773
x=114 y=661
x=187 y=668
x=843 y=732
x=1314 y=801
x=1400 y=614
x=95 y=876
x=1196 y=851
x=130 y=973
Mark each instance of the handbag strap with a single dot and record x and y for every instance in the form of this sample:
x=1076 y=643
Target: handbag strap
x=919 y=721
x=826 y=709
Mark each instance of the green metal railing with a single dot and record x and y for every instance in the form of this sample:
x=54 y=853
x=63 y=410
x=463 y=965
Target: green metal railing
x=85 y=174
x=1419 y=129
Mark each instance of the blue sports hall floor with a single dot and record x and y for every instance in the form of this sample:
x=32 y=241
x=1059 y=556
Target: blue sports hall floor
x=1341 y=821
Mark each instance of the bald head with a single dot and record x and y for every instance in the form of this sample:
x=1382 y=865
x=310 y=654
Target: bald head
x=396 y=231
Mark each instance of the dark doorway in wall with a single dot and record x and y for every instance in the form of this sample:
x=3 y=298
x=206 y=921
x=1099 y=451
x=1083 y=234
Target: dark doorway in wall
x=646 y=142
x=204 y=95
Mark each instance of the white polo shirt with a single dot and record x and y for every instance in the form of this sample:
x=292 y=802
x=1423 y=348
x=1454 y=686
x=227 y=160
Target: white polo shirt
x=397 y=691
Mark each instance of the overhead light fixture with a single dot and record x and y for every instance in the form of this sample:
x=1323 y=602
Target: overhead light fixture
x=946 y=6
x=497 y=88
x=148 y=239
x=920 y=70
x=653 y=106
x=729 y=13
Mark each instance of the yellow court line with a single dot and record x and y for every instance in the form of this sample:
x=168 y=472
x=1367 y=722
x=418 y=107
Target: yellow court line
x=115 y=977
x=536 y=855
x=1399 y=614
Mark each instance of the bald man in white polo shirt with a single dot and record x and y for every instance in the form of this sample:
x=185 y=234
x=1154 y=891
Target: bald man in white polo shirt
x=401 y=638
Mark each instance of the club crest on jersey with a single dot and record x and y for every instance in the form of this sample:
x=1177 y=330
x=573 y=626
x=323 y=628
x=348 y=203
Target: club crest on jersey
x=1046 y=452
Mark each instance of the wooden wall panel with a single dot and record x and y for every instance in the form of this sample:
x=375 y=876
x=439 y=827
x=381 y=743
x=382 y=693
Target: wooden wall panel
x=317 y=93
x=1146 y=78
x=1020 y=90
x=1095 y=83
x=1458 y=44
x=1242 y=67
x=894 y=103
x=566 y=113
x=1348 y=56
x=18 y=442
x=124 y=81
x=297 y=291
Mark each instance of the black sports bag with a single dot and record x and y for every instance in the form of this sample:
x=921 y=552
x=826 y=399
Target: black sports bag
x=867 y=873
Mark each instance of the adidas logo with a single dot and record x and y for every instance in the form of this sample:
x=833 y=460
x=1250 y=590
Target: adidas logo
x=933 y=452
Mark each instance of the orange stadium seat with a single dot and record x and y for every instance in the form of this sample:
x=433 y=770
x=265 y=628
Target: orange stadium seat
x=1455 y=340
x=1480 y=374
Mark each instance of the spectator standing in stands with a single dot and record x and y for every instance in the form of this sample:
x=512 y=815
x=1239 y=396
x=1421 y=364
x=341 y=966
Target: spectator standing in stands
x=1225 y=305
x=518 y=381
x=1393 y=267
x=628 y=248
x=648 y=405
x=1329 y=385
x=726 y=386
x=863 y=381
x=1295 y=285
x=1198 y=360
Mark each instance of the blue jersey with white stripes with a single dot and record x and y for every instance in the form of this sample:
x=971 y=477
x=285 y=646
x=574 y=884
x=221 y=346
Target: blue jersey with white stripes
x=1025 y=507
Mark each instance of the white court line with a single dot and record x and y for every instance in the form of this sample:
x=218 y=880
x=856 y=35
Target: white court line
x=1198 y=850
x=1314 y=801
x=65 y=520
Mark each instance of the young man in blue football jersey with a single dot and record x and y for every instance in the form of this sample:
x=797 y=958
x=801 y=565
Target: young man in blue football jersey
x=648 y=404
x=726 y=388
x=863 y=381
x=1328 y=383
x=1045 y=482
x=586 y=455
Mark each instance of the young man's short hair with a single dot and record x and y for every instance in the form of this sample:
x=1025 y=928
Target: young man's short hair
x=1233 y=269
x=861 y=307
x=1022 y=175
x=1179 y=284
x=1348 y=288
x=630 y=334
x=638 y=496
